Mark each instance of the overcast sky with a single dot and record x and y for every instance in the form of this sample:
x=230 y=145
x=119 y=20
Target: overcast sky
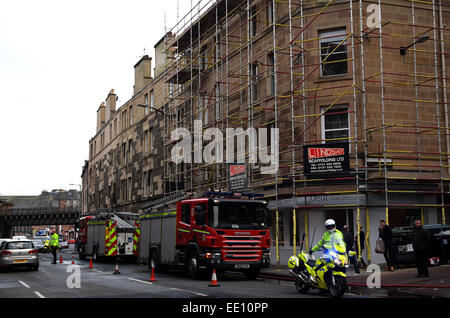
x=58 y=61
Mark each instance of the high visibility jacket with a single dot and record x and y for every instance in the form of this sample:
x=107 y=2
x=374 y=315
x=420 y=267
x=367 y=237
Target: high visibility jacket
x=330 y=239
x=54 y=242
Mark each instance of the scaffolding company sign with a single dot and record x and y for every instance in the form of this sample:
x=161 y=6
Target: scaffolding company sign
x=326 y=159
x=237 y=177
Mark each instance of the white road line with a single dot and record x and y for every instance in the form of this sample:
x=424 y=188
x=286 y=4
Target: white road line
x=39 y=294
x=24 y=284
x=98 y=271
x=188 y=291
x=140 y=281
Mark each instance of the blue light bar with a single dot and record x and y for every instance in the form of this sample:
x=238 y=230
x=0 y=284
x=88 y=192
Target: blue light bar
x=233 y=194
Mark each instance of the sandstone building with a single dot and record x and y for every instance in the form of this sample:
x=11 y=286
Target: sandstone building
x=366 y=76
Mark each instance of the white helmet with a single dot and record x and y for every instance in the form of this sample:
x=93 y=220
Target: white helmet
x=330 y=225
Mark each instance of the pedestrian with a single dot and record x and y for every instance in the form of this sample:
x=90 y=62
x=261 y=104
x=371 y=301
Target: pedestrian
x=348 y=239
x=54 y=244
x=385 y=233
x=360 y=248
x=421 y=246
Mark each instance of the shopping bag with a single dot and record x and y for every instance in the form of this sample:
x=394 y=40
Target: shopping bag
x=379 y=246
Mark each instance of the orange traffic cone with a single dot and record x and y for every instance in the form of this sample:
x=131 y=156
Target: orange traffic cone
x=90 y=264
x=152 y=278
x=117 y=269
x=73 y=262
x=214 y=280
x=60 y=259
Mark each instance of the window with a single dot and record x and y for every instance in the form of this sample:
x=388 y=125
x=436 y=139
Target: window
x=152 y=99
x=271 y=61
x=218 y=105
x=254 y=82
x=203 y=58
x=152 y=139
x=336 y=63
x=130 y=146
x=335 y=124
x=131 y=116
x=185 y=214
x=146 y=142
x=270 y=4
x=124 y=152
x=146 y=103
x=252 y=24
x=129 y=189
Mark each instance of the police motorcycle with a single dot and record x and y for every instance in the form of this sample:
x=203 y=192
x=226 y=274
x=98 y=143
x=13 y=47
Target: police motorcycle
x=327 y=273
x=46 y=248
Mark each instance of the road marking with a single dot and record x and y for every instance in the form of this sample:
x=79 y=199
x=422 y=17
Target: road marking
x=98 y=271
x=140 y=281
x=24 y=284
x=188 y=291
x=39 y=294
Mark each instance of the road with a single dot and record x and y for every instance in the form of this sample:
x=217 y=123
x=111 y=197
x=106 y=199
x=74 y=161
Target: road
x=51 y=281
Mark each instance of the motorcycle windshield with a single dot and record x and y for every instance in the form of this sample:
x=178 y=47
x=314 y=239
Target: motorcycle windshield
x=330 y=253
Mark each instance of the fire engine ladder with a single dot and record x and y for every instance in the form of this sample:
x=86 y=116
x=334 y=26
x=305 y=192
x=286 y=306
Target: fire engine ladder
x=165 y=200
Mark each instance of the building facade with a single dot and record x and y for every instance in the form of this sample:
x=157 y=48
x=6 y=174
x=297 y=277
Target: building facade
x=363 y=79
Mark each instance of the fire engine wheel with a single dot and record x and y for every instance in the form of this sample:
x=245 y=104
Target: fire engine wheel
x=192 y=265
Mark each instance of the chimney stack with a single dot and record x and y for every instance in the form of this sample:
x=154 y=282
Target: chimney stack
x=142 y=73
x=110 y=105
x=100 y=116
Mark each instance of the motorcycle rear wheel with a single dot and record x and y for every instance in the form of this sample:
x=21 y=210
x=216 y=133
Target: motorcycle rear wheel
x=339 y=287
x=301 y=286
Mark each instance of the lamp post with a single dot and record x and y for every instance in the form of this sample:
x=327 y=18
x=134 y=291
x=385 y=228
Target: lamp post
x=420 y=39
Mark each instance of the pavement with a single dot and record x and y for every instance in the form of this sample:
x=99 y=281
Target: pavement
x=401 y=282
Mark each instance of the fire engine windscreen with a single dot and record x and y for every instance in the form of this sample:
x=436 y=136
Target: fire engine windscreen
x=235 y=215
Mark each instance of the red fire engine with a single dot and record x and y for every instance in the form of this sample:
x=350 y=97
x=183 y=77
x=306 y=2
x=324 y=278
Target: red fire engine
x=220 y=230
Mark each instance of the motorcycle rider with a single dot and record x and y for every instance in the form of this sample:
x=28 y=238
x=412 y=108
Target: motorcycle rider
x=330 y=238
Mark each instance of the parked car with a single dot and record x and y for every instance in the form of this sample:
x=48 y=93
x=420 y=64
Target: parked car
x=18 y=253
x=19 y=237
x=38 y=244
x=63 y=244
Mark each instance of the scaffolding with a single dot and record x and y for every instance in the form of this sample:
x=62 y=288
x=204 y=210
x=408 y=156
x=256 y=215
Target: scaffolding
x=260 y=63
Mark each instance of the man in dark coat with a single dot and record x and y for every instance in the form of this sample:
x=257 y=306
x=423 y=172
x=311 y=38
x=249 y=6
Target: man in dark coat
x=421 y=246
x=385 y=233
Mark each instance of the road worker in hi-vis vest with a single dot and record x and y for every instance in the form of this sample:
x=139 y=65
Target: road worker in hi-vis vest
x=54 y=244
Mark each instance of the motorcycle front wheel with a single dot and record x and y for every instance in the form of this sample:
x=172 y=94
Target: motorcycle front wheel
x=338 y=289
x=301 y=286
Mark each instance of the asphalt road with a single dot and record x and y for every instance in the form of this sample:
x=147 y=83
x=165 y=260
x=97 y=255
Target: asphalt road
x=59 y=281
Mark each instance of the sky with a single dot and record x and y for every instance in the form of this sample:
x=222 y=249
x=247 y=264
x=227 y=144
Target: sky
x=58 y=62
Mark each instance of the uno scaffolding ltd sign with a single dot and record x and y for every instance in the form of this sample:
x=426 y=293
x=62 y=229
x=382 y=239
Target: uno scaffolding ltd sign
x=326 y=159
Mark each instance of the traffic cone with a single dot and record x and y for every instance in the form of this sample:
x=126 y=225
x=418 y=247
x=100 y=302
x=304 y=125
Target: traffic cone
x=152 y=278
x=90 y=264
x=214 y=282
x=73 y=262
x=117 y=269
x=60 y=259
